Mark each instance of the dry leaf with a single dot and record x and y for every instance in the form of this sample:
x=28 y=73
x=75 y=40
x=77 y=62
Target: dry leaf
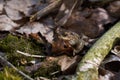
x=33 y=68
x=1 y=5
x=105 y=74
x=65 y=12
x=19 y=8
x=112 y=63
x=116 y=76
x=110 y=68
x=101 y=16
x=90 y=24
x=64 y=9
x=68 y=65
x=12 y=13
x=6 y=23
x=45 y=28
x=114 y=9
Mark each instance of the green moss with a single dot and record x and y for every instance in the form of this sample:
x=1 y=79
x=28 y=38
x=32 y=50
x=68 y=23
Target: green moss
x=9 y=74
x=46 y=69
x=10 y=44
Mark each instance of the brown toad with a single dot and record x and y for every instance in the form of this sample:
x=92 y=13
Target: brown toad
x=72 y=39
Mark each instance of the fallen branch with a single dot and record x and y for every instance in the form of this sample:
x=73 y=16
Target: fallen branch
x=88 y=67
x=45 y=10
x=29 y=55
x=11 y=65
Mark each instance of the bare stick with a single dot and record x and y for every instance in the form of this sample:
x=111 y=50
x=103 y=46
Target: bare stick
x=62 y=21
x=29 y=55
x=11 y=65
x=43 y=78
x=45 y=10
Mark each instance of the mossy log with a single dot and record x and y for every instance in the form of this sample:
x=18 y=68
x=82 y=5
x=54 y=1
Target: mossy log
x=88 y=67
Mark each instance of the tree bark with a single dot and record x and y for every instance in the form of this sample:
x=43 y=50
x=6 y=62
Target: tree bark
x=88 y=67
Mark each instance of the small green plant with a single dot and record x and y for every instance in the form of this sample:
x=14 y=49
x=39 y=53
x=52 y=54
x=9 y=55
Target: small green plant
x=10 y=44
x=9 y=74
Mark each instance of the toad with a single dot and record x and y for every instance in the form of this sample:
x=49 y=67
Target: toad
x=71 y=40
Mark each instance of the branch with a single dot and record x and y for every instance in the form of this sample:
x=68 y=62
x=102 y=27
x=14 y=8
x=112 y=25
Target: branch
x=88 y=67
x=45 y=10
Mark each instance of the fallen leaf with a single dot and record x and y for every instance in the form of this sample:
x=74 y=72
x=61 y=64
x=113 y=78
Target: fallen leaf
x=19 y=8
x=6 y=23
x=1 y=5
x=13 y=14
x=89 y=24
x=112 y=63
x=114 y=9
x=116 y=76
x=68 y=65
x=101 y=16
x=105 y=74
x=65 y=12
x=45 y=28
x=33 y=68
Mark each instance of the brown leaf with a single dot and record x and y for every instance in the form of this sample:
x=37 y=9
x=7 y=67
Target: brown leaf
x=1 y=5
x=105 y=74
x=13 y=14
x=17 y=7
x=114 y=9
x=68 y=65
x=33 y=68
x=101 y=16
x=90 y=24
x=6 y=23
x=116 y=76
x=45 y=28
x=65 y=11
x=112 y=63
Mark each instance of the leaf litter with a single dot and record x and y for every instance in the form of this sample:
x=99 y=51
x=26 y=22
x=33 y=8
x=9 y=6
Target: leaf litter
x=63 y=32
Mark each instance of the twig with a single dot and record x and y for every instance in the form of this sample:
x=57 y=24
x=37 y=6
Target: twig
x=62 y=21
x=88 y=71
x=29 y=55
x=11 y=65
x=45 y=10
x=43 y=78
x=54 y=73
